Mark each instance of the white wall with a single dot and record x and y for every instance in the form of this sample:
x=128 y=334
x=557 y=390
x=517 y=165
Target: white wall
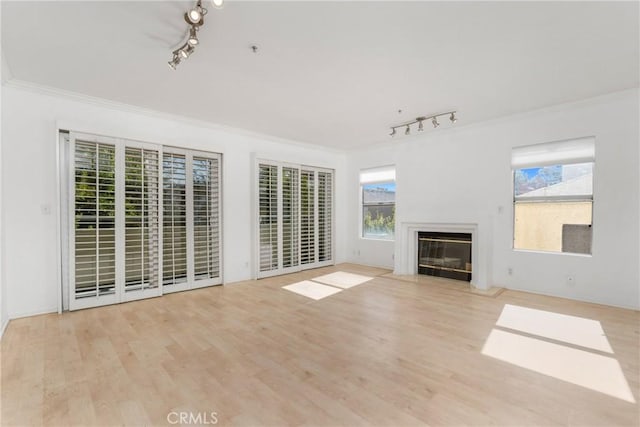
x=30 y=119
x=463 y=175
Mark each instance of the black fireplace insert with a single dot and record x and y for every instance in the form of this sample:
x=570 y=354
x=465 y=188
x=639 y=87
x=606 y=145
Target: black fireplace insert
x=445 y=255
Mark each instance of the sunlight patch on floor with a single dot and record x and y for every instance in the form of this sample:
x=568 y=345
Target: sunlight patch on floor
x=312 y=290
x=583 y=332
x=591 y=370
x=547 y=343
x=342 y=279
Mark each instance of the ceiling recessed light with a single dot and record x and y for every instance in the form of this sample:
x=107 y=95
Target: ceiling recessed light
x=218 y=4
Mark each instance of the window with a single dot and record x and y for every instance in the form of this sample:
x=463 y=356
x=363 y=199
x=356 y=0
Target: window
x=553 y=196
x=378 y=188
x=294 y=217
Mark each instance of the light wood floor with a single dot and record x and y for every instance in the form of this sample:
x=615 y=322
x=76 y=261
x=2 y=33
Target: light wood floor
x=387 y=352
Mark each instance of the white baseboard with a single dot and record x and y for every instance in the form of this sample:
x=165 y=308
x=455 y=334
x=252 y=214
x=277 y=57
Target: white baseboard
x=573 y=298
x=33 y=313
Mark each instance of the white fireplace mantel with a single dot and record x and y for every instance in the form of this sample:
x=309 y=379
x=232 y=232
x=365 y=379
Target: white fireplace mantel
x=408 y=260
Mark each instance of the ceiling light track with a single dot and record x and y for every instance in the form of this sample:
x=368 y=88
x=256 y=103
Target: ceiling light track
x=195 y=19
x=420 y=121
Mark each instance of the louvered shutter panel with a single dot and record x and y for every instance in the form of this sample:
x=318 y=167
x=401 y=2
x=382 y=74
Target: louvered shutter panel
x=268 y=216
x=174 y=219
x=141 y=210
x=94 y=214
x=325 y=216
x=307 y=217
x=206 y=217
x=290 y=217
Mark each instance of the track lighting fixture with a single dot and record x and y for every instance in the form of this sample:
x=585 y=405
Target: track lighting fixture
x=420 y=121
x=195 y=19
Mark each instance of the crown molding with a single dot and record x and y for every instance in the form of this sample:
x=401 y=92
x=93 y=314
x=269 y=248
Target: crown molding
x=119 y=106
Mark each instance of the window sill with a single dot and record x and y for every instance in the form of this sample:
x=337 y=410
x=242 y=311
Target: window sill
x=377 y=240
x=532 y=251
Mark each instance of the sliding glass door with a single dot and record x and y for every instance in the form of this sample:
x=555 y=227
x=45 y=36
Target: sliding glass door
x=143 y=220
x=294 y=218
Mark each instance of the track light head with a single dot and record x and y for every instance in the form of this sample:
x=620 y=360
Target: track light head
x=193 y=37
x=434 y=121
x=195 y=16
x=187 y=50
x=407 y=131
x=393 y=132
x=420 y=126
x=174 y=62
x=218 y=4
x=453 y=118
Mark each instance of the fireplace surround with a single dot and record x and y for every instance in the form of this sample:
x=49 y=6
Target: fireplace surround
x=407 y=248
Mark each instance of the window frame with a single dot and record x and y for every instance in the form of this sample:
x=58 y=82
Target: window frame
x=382 y=175
x=558 y=199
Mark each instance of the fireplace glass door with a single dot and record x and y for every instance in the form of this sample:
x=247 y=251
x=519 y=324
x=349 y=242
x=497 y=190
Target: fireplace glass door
x=445 y=255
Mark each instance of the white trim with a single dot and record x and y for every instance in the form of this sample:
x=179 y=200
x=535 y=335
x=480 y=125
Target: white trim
x=58 y=218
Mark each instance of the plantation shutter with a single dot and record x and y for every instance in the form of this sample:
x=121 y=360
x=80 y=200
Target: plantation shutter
x=141 y=221
x=93 y=205
x=268 y=216
x=325 y=216
x=294 y=217
x=307 y=218
x=206 y=217
x=290 y=217
x=174 y=220
x=142 y=216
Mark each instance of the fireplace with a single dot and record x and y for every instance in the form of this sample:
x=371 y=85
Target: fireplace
x=445 y=254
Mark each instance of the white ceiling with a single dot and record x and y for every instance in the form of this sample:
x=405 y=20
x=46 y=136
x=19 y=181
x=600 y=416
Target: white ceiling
x=330 y=73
